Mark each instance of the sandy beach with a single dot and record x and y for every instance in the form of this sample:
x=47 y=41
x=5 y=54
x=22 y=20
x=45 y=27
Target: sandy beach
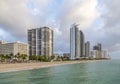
x=27 y=66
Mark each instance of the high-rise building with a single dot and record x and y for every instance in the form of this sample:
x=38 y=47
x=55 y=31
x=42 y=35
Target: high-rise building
x=14 y=48
x=40 y=41
x=82 y=44
x=94 y=53
x=105 y=54
x=74 y=42
x=98 y=47
x=95 y=47
x=87 y=49
x=77 y=49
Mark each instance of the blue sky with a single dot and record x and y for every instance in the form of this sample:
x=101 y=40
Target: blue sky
x=98 y=19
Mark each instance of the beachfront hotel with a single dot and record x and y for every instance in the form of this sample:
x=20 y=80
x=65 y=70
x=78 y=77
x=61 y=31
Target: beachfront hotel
x=40 y=41
x=77 y=47
x=14 y=48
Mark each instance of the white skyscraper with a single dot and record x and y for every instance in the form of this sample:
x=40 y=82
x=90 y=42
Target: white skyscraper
x=76 y=42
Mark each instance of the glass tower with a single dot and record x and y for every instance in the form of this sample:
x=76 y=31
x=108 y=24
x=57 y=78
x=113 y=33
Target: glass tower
x=77 y=48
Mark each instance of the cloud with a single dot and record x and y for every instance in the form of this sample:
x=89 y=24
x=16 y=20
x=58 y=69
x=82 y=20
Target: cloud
x=83 y=12
x=98 y=20
x=111 y=24
x=4 y=35
x=17 y=16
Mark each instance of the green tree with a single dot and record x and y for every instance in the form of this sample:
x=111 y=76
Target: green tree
x=3 y=57
x=11 y=55
x=52 y=57
x=24 y=56
x=8 y=58
x=18 y=55
x=33 y=57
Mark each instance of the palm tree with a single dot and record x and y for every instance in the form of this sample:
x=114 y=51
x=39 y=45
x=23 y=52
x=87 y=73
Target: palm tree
x=24 y=56
x=8 y=57
x=3 y=57
x=52 y=57
x=33 y=57
x=11 y=55
x=18 y=56
x=0 y=57
x=40 y=58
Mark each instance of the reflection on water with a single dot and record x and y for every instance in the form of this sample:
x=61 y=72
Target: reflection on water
x=99 y=72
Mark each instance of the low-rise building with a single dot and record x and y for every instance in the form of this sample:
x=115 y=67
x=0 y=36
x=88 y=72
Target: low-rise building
x=14 y=48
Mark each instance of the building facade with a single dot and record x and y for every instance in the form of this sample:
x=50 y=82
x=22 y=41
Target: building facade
x=14 y=48
x=40 y=41
x=94 y=54
x=77 y=48
x=82 y=44
x=98 y=48
x=105 y=54
x=87 y=49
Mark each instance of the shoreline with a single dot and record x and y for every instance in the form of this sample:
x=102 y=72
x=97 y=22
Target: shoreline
x=29 y=66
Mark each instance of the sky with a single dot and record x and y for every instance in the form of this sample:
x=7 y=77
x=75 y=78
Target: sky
x=98 y=19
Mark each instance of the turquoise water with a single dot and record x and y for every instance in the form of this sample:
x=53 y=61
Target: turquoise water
x=98 y=72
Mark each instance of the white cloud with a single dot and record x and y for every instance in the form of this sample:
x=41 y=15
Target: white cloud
x=111 y=24
x=84 y=12
x=16 y=16
x=20 y=15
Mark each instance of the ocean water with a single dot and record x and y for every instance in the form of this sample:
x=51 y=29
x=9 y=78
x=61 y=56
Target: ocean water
x=98 y=72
